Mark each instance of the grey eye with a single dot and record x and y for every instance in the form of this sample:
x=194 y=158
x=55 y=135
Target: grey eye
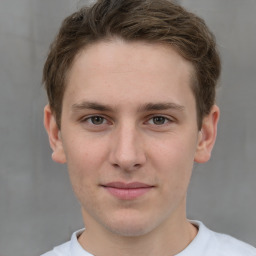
x=159 y=120
x=97 y=120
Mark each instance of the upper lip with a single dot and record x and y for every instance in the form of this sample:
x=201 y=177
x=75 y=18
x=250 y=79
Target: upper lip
x=124 y=185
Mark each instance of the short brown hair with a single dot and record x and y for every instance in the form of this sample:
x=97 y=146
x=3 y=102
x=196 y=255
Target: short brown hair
x=159 y=21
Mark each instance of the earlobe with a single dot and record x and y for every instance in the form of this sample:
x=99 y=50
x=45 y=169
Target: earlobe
x=54 y=136
x=207 y=136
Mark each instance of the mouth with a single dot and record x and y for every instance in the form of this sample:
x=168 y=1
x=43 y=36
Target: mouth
x=127 y=191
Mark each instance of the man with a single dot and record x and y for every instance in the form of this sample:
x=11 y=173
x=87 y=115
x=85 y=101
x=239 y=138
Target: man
x=131 y=88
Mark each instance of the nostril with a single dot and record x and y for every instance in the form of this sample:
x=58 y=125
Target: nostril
x=131 y=167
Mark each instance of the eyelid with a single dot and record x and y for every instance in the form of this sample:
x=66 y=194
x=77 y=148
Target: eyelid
x=94 y=117
x=168 y=118
x=88 y=117
x=109 y=121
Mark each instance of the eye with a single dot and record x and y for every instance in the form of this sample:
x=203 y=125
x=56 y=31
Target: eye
x=158 y=120
x=96 y=120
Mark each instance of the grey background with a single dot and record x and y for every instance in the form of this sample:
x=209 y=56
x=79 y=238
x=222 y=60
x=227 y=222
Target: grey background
x=37 y=207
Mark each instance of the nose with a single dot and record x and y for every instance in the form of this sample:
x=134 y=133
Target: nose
x=127 y=150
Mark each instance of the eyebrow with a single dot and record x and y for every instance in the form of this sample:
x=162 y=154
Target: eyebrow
x=161 y=106
x=144 y=108
x=91 y=105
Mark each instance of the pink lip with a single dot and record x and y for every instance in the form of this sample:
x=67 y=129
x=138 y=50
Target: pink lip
x=127 y=191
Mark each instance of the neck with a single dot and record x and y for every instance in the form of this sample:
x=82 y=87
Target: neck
x=169 y=239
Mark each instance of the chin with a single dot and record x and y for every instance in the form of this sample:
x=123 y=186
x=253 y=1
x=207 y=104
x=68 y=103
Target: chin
x=130 y=226
x=130 y=231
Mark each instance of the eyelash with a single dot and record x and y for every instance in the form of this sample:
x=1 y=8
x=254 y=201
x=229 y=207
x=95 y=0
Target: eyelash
x=163 y=118
x=90 y=118
x=150 y=120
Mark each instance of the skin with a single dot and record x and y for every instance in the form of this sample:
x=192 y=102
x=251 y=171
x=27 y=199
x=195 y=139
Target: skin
x=129 y=115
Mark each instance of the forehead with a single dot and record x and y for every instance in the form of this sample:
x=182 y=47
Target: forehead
x=129 y=71
x=117 y=54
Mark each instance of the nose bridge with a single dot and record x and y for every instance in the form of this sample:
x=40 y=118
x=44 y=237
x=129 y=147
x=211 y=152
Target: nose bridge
x=127 y=148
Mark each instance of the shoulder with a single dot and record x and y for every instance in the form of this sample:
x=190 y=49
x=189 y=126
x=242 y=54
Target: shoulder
x=228 y=245
x=70 y=248
x=218 y=244
x=61 y=250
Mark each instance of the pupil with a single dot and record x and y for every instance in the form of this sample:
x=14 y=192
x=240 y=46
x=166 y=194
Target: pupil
x=159 y=120
x=97 y=120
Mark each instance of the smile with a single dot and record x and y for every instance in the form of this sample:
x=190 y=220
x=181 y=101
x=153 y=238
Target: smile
x=127 y=191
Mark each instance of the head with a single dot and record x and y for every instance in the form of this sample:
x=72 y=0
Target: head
x=152 y=21
x=131 y=86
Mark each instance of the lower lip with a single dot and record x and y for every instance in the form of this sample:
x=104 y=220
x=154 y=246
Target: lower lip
x=128 y=193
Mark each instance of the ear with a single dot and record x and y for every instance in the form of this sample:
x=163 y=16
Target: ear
x=207 y=136
x=55 y=140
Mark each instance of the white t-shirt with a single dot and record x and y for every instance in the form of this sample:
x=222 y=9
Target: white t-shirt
x=206 y=243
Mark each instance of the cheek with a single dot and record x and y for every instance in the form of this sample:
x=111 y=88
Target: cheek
x=84 y=152
x=174 y=150
x=173 y=159
x=83 y=170
x=84 y=161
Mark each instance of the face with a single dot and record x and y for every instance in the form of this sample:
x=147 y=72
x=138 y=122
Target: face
x=129 y=135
